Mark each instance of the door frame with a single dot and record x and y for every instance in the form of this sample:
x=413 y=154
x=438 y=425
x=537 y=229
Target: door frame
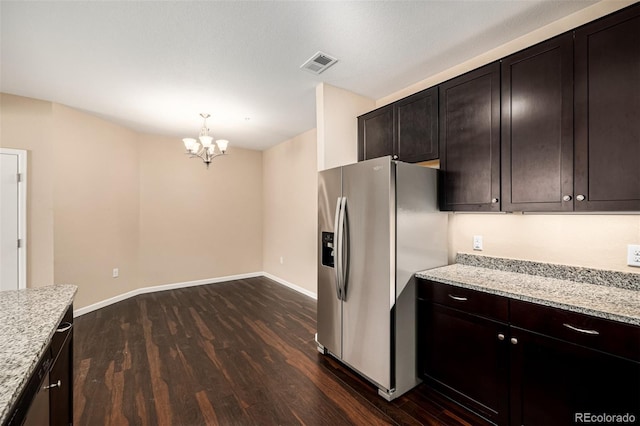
x=22 y=213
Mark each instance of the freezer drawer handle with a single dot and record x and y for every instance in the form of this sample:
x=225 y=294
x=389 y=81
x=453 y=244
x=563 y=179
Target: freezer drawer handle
x=458 y=298
x=581 y=330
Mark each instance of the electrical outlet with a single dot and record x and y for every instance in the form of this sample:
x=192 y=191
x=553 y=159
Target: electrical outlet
x=477 y=242
x=633 y=255
x=115 y=273
x=281 y=260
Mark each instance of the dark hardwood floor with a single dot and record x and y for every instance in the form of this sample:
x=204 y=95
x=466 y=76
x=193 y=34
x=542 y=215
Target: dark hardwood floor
x=236 y=353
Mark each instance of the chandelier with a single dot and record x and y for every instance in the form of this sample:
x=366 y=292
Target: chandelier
x=204 y=147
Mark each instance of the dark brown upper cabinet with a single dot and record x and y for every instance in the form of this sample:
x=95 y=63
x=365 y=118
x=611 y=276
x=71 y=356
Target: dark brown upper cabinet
x=607 y=113
x=406 y=129
x=470 y=141
x=417 y=127
x=375 y=133
x=537 y=127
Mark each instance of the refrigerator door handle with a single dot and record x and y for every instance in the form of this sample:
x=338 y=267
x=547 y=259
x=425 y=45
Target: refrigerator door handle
x=337 y=248
x=344 y=261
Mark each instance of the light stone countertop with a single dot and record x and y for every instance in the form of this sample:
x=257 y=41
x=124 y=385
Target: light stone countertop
x=28 y=320
x=619 y=300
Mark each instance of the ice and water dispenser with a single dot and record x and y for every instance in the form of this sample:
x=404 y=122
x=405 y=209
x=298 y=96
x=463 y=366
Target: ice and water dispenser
x=327 y=249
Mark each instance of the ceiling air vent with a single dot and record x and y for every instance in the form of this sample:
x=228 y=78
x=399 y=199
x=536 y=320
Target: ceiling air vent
x=318 y=63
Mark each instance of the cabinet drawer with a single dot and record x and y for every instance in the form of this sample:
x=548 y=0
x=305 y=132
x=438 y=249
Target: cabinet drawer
x=598 y=333
x=470 y=301
x=64 y=329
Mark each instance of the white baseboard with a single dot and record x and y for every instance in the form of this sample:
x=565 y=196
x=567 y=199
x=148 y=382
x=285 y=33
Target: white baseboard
x=291 y=285
x=163 y=287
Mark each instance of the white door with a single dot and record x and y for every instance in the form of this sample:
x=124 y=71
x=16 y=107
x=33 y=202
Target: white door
x=12 y=219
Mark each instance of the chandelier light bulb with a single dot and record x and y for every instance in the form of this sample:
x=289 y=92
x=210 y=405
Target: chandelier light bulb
x=222 y=144
x=206 y=141
x=189 y=143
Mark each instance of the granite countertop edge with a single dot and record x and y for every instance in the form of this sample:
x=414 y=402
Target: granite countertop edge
x=55 y=300
x=618 y=304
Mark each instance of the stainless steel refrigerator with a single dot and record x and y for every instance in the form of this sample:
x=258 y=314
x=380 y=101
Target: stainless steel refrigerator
x=378 y=223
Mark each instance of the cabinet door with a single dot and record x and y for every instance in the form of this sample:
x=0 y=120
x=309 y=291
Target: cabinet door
x=470 y=140
x=60 y=396
x=537 y=127
x=558 y=383
x=61 y=373
x=417 y=127
x=607 y=113
x=464 y=357
x=375 y=133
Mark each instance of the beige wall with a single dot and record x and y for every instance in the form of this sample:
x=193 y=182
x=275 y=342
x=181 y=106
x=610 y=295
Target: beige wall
x=197 y=223
x=336 y=115
x=95 y=205
x=595 y=241
x=583 y=240
x=101 y=196
x=290 y=211
x=27 y=124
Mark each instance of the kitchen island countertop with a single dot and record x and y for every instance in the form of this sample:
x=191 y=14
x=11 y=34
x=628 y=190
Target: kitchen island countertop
x=28 y=320
x=618 y=301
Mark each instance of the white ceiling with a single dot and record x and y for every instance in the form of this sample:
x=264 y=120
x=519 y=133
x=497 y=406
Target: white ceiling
x=153 y=66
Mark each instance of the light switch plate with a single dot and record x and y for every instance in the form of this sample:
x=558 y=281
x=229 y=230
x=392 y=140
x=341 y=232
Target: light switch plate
x=633 y=255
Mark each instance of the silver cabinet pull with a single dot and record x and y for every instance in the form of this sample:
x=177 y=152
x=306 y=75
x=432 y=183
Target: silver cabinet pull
x=494 y=200
x=566 y=198
x=580 y=197
x=514 y=341
x=458 y=298
x=500 y=336
x=581 y=330
x=64 y=327
x=53 y=385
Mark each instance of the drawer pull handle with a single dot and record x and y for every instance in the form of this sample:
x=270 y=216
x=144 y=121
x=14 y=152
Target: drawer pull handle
x=514 y=341
x=52 y=385
x=64 y=327
x=500 y=336
x=581 y=330
x=458 y=298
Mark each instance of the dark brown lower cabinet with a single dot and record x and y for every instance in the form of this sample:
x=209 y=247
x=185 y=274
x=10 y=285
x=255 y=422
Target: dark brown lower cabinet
x=554 y=382
x=541 y=366
x=61 y=378
x=463 y=358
